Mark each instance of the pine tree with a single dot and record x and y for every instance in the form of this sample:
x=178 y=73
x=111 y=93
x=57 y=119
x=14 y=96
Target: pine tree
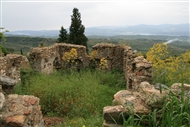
x=76 y=35
x=63 y=36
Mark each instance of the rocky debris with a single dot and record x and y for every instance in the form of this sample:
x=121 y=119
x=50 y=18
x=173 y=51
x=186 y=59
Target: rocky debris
x=7 y=84
x=6 y=81
x=177 y=88
x=140 y=102
x=160 y=86
x=10 y=65
x=21 y=111
x=181 y=86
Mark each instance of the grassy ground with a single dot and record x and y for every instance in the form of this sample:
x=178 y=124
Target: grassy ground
x=79 y=97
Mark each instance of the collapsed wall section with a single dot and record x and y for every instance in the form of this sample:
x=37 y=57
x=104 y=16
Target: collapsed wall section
x=21 y=111
x=10 y=65
x=114 y=54
x=46 y=59
x=136 y=69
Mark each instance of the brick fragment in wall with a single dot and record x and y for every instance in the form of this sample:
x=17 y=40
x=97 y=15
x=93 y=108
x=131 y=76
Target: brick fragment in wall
x=16 y=113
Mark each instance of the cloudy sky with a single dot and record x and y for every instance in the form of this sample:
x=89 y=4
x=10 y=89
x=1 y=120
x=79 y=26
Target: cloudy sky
x=52 y=14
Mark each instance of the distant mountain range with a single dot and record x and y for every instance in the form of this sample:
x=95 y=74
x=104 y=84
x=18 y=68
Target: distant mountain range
x=143 y=29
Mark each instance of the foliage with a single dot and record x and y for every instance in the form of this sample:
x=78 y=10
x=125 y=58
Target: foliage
x=3 y=50
x=94 y=55
x=63 y=36
x=2 y=37
x=157 y=53
x=186 y=56
x=70 y=58
x=77 y=30
x=167 y=67
x=140 y=54
x=103 y=64
x=137 y=42
x=15 y=43
x=72 y=94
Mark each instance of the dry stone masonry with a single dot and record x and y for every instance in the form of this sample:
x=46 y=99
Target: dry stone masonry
x=46 y=59
x=21 y=111
x=140 y=102
x=24 y=111
x=114 y=54
x=136 y=69
x=10 y=65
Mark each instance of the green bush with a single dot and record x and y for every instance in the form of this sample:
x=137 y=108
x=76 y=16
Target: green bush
x=4 y=50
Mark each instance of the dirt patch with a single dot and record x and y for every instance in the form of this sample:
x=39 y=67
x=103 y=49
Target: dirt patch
x=52 y=121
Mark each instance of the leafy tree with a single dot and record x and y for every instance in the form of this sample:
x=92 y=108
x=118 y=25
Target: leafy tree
x=77 y=29
x=63 y=36
x=2 y=39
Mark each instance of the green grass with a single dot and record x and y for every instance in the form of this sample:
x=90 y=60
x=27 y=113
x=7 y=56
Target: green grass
x=78 y=97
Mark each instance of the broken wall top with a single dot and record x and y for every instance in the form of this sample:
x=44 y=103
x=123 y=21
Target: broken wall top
x=56 y=49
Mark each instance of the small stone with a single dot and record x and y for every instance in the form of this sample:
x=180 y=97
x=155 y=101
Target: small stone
x=159 y=85
x=2 y=100
x=17 y=120
x=12 y=107
x=26 y=112
x=33 y=101
x=26 y=104
x=139 y=73
x=26 y=99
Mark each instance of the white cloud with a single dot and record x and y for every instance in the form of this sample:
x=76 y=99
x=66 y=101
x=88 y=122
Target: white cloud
x=52 y=15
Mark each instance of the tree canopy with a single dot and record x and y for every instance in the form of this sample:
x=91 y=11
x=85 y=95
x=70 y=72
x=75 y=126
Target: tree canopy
x=76 y=34
x=63 y=36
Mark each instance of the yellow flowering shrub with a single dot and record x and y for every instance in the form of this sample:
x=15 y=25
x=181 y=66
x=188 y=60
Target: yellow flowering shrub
x=167 y=69
x=70 y=56
x=157 y=53
x=186 y=56
x=139 y=54
x=103 y=64
x=94 y=55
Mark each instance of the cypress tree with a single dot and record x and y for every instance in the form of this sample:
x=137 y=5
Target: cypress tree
x=63 y=36
x=76 y=35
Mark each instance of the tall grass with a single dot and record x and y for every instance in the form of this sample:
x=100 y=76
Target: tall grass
x=75 y=95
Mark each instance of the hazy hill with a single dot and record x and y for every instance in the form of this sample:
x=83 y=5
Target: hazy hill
x=164 y=29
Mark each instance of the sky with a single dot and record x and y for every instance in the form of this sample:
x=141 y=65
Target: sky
x=52 y=14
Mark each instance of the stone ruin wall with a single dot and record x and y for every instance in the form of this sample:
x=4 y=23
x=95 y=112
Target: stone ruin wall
x=25 y=111
x=114 y=54
x=136 y=69
x=10 y=65
x=46 y=59
x=20 y=111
